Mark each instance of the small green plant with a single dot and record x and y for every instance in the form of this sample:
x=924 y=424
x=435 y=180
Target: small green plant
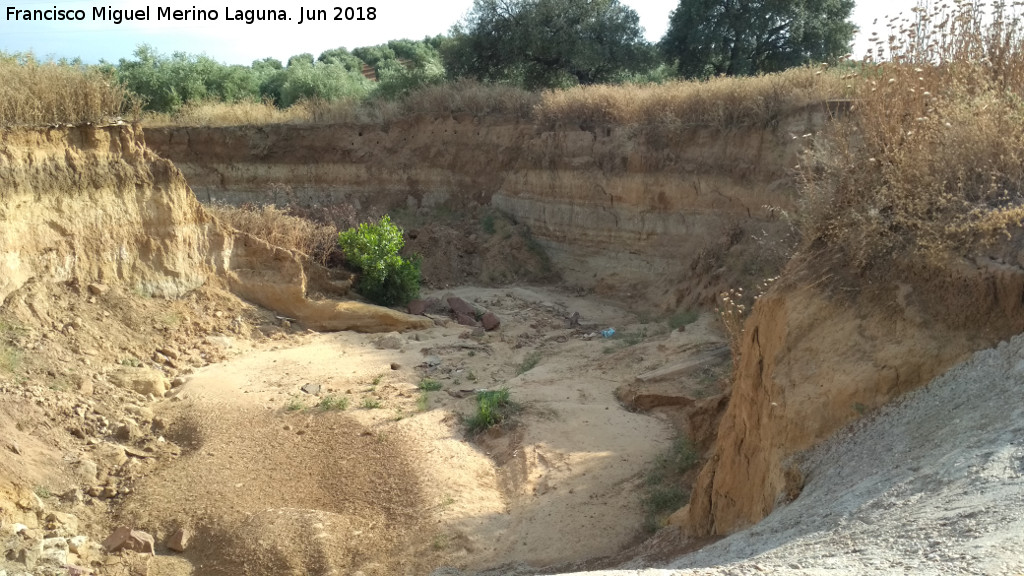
x=377 y=379
x=492 y=408
x=331 y=402
x=664 y=492
x=471 y=377
x=682 y=318
x=294 y=405
x=385 y=277
x=42 y=491
x=634 y=338
x=371 y=404
x=488 y=223
x=429 y=385
x=130 y=361
x=10 y=359
x=529 y=363
x=422 y=402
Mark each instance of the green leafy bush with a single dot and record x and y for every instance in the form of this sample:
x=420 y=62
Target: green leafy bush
x=492 y=408
x=385 y=277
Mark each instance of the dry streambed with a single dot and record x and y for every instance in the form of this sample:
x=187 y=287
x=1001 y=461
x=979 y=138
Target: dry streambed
x=330 y=457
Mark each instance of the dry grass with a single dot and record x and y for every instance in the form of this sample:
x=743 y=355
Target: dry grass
x=231 y=114
x=718 y=103
x=931 y=162
x=34 y=93
x=280 y=228
x=726 y=102
x=461 y=97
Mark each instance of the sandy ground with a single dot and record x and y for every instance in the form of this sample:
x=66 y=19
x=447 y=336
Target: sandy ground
x=933 y=484
x=392 y=484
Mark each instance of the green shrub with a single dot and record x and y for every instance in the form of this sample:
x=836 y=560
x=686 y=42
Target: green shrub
x=682 y=318
x=529 y=363
x=385 y=277
x=333 y=403
x=429 y=385
x=492 y=408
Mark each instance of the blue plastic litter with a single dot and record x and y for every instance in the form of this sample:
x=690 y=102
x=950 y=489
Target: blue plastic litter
x=608 y=333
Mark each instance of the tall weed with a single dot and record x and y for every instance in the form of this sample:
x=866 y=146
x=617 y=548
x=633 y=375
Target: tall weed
x=930 y=163
x=37 y=92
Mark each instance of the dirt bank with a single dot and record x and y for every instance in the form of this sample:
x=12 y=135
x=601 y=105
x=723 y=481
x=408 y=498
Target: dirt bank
x=620 y=209
x=815 y=357
x=932 y=484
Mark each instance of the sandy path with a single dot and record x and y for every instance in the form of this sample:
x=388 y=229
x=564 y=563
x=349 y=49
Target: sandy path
x=273 y=483
x=932 y=485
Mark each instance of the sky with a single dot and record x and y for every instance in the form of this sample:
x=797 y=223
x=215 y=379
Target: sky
x=236 y=42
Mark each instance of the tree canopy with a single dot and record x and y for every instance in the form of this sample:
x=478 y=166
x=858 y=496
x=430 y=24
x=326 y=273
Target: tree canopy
x=548 y=43
x=733 y=37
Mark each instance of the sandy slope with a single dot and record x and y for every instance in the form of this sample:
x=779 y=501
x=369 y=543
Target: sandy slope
x=931 y=485
x=392 y=484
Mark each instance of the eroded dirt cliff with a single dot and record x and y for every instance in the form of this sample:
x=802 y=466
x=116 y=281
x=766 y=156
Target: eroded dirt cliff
x=625 y=210
x=819 y=353
x=93 y=205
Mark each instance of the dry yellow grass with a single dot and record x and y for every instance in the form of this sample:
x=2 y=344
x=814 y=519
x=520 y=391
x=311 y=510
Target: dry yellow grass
x=34 y=93
x=931 y=162
x=231 y=114
x=280 y=228
x=719 y=103
x=726 y=102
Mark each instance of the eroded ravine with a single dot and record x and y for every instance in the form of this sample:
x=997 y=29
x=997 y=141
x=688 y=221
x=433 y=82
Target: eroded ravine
x=274 y=483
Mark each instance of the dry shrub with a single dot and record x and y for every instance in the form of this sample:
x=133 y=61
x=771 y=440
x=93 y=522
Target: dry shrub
x=231 y=114
x=471 y=97
x=34 y=93
x=438 y=100
x=931 y=161
x=280 y=228
x=726 y=102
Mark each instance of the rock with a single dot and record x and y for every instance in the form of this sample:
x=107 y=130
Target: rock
x=109 y=455
x=178 y=541
x=13 y=447
x=55 y=551
x=128 y=431
x=124 y=538
x=311 y=388
x=59 y=519
x=85 y=385
x=25 y=552
x=466 y=320
x=432 y=360
x=678 y=518
x=417 y=307
x=179 y=381
x=388 y=342
x=142 y=380
x=490 y=321
x=396 y=366
x=77 y=544
x=171 y=353
x=460 y=306
x=573 y=321
x=98 y=289
x=74 y=495
x=142 y=413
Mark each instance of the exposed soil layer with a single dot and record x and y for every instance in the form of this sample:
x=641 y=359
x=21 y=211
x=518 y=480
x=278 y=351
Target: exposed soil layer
x=621 y=210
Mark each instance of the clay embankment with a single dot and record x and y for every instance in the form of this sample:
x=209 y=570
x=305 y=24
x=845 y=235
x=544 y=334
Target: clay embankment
x=635 y=211
x=621 y=209
x=93 y=204
x=815 y=359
